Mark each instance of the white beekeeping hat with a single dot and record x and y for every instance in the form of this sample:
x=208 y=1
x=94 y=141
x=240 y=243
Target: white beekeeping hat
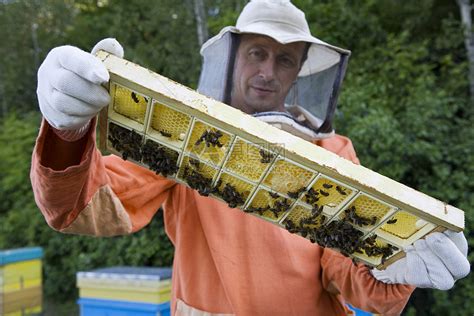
x=311 y=102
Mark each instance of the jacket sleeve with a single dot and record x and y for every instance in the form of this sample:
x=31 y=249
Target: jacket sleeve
x=354 y=283
x=357 y=286
x=101 y=196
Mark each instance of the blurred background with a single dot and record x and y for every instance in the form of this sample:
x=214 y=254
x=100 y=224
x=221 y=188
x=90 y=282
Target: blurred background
x=405 y=103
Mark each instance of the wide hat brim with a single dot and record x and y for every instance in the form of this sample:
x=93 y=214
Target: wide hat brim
x=321 y=55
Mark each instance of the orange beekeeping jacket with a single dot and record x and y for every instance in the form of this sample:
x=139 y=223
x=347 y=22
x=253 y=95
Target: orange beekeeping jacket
x=225 y=261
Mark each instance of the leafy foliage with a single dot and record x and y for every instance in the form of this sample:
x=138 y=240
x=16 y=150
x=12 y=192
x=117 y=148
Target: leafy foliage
x=404 y=104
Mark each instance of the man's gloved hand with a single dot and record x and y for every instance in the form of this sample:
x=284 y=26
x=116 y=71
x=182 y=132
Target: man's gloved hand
x=434 y=262
x=69 y=87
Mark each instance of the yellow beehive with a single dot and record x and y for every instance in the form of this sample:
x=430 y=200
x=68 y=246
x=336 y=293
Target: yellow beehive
x=131 y=284
x=266 y=172
x=20 y=281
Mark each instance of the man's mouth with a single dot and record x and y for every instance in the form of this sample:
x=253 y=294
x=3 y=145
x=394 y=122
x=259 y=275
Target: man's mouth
x=262 y=90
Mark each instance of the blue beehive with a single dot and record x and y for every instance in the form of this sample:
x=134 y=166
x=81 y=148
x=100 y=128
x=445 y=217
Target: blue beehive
x=121 y=291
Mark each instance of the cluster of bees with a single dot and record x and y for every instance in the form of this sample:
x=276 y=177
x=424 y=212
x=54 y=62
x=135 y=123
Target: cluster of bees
x=197 y=181
x=338 y=234
x=312 y=196
x=372 y=250
x=229 y=194
x=265 y=157
x=354 y=218
x=125 y=141
x=158 y=159
x=279 y=206
x=210 y=138
x=204 y=185
x=306 y=226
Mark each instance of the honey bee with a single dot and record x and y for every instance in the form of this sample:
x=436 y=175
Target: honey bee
x=210 y=138
x=165 y=134
x=135 y=97
x=265 y=157
x=327 y=185
x=340 y=190
x=391 y=221
x=273 y=195
x=296 y=194
x=324 y=193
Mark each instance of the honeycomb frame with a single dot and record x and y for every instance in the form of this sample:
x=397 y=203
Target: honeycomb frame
x=332 y=184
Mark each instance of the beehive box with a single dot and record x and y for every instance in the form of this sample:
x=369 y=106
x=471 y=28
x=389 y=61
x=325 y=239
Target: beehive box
x=132 y=284
x=97 y=307
x=21 y=281
x=228 y=155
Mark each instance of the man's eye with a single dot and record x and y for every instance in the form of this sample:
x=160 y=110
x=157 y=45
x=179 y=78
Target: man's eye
x=287 y=62
x=256 y=54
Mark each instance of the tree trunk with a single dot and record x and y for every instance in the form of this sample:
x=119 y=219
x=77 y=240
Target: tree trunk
x=465 y=9
x=201 y=24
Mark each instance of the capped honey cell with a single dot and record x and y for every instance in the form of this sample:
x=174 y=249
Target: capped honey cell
x=248 y=160
x=286 y=176
x=130 y=104
x=365 y=211
x=403 y=225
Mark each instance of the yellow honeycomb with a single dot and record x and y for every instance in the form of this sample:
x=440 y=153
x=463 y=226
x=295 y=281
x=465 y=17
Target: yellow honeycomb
x=246 y=160
x=130 y=104
x=214 y=153
x=169 y=121
x=242 y=187
x=200 y=167
x=332 y=193
x=286 y=177
x=300 y=212
x=368 y=208
x=264 y=199
x=404 y=227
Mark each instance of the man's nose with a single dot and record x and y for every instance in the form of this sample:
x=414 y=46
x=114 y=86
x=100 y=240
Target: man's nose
x=267 y=69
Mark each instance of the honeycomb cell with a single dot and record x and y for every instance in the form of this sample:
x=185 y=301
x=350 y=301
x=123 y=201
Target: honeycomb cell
x=402 y=225
x=248 y=160
x=208 y=143
x=232 y=190
x=269 y=205
x=365 y=211
x=327 y=192
x=130 y=104
x=168 y=123
x=287 y=177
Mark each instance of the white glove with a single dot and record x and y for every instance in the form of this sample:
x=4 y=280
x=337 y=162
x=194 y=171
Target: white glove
x=434 y=262
x=69 y=87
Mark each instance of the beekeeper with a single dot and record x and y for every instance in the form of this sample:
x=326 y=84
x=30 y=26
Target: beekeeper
x=226 y=262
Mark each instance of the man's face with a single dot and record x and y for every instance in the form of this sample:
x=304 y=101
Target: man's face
x=264 y=72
